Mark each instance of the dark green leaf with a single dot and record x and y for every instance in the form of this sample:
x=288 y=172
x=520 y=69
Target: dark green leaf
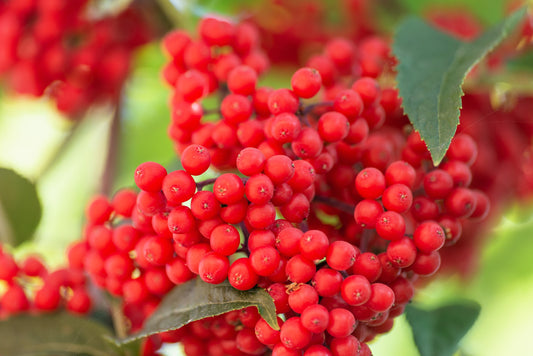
x=20 y=208
x=54 y=334
x=432 y=67
x=437 y=332
x=196 y=300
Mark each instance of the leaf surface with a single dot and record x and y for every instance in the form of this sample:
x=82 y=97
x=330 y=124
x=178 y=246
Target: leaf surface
x=54 y=334
x=197 y=300
x=437 y=332
x=431 y=69
x=20 y=208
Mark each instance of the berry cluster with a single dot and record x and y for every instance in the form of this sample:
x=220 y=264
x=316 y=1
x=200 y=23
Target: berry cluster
x=332 y=206
x=291 y=30
x=28 y=286
x=53 y=47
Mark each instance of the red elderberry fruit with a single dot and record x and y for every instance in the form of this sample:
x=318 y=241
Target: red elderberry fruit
x=149 y=176
x=265 y=333
x=367 y=212
x=301 y=297
x=282 y=100
x=381 y=299
x=225 y=239
x=333 y=126
x=315 y=318
x=356 y=290
x=402 y=252
x=178 y=187
x=294 y=335
x=327 y=282
x=250 y=161
x=241 y=274
x=195 y=159
x=398 y=198
x=299 y=269
x=429 y=236
x=213 y=268
x=242 y=80
x=341 y=255
x=306 y=82
x=341 y=322
x=390 y=226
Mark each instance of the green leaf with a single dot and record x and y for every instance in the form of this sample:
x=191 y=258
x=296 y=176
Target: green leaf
x=54 y=334
x=197 y=299
x=437 y=332
x=20 y=208
x=432 y=67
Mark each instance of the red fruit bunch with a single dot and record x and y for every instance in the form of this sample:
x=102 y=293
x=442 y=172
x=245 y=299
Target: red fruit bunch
x=29 y=286
x=324 y=196
x=55 y=48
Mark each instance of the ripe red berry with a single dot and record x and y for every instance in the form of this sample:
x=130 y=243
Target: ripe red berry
x=429 y=236
x=242 y=80
x=195 y=159
x=178 y=187
x=294 y=335
x=333 y=126
x=315 y=318
x=241 y=274
x=149 y=176
x=397 y=197
x=306 y=82
x=341 y=322
x=390 y=226
x=341 y=255
x=225 y=239
x=213 y=268
x=355 y=290
x=228 y=188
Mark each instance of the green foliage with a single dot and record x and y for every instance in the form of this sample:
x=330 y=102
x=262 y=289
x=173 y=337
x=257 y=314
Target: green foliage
x=197 y=300
x=432 y=67
x=488 y=12
x=437 y=332
x=54 y=334
x=20 y=208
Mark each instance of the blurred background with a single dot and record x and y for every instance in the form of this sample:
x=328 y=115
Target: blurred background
x=71 y=160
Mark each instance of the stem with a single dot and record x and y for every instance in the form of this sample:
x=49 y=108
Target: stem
x=304 y=226
x=202 y=184
x=58 y=152
x=119 y=320
x=342 y=206
x=309 y=108
x=113 y=145
x=365 y=239
x=210 y=111
x=246 y=234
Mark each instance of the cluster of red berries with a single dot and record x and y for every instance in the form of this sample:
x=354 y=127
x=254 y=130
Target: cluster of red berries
x=54 y=47
x=291 y=30
x=503 y=135
x=28 y=286
x=334 y=147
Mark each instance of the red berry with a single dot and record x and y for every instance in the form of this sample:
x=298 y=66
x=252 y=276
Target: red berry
x=306 y=82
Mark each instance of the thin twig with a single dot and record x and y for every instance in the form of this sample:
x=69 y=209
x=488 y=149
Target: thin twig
x=58 y=152
x=113 y=146
x=342 y=206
